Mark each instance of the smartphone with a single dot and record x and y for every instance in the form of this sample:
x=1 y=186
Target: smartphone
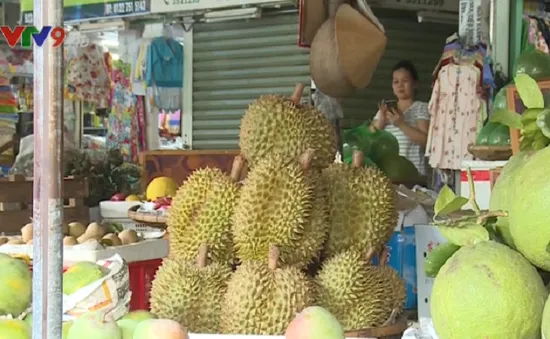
x=391 y=103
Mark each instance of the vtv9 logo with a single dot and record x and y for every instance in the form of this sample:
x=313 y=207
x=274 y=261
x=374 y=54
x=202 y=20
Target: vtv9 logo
x=26 y=35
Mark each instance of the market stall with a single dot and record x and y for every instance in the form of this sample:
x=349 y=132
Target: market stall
x=292 y=235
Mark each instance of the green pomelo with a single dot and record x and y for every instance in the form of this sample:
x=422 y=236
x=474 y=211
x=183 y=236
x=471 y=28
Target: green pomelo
x=139 y=315
x=500 y=136
x=546 y=321
x=14 y=329
x=483 y=135
x=313 y=323
x=383 y=144
x=94 y=325
x=501 y=100
x=66 y=328
x=28 y=320
x=398 y=168
x=529 y=211
x=501 y=194
x=534 y=63
x=128 y=327
x=81 y=275
x=487 y=291
x=15 y=286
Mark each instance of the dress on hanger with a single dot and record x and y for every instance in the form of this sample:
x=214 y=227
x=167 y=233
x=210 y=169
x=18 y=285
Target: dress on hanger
x=123 y=127
x=87 y=77
x=454 y=107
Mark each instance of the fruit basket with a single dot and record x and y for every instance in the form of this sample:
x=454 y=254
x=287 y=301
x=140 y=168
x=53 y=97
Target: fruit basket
x=490 y=153
x=150 y=219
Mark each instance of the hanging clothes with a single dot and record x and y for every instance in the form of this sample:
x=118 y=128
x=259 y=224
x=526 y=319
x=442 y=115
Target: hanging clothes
x=87 y=77
x=123 y=121
x=139 y=66
x=164 y=73
x=455 y=108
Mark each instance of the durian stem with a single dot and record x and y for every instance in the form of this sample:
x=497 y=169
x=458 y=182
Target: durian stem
x=358 y=159
x=273 y=257
x=203 y=255
x=481 y=219
x=306 y=158
x=473 y=201
x=370 y=254
x=297 y=95
x=392 y=318
x=238 y=164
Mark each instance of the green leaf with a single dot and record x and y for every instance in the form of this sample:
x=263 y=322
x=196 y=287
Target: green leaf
x=529 y=91
x=447 y=202
x=465 y=236
x=507 y=118
x=548 y=247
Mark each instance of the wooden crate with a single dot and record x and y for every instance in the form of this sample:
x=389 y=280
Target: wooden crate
x=16 y=195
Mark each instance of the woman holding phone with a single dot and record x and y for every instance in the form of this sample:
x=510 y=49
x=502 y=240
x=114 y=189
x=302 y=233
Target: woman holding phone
x=407 y=119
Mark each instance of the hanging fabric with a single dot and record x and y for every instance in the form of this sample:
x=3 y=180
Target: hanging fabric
x=87 y=77
x=164 y=73
x=455 y=109
x=123 y=121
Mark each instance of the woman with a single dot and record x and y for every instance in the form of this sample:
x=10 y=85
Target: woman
x=409 y=120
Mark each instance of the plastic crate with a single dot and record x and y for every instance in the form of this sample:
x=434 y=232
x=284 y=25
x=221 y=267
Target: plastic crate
x=142 y=274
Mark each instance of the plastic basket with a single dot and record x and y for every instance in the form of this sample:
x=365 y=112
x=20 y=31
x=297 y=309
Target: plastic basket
x=142 y=274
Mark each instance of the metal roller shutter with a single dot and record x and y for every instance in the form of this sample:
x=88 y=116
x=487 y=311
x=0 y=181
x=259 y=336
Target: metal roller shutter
x=236 y=62
x=407 y=39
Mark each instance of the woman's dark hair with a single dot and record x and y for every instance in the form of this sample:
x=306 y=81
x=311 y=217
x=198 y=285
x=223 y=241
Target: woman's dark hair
x=407 y=66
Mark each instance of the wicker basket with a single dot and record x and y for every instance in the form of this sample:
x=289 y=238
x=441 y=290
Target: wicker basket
x=490 y=153
x=156 y=221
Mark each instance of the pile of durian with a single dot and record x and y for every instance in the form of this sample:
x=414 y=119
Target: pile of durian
x=247 y=254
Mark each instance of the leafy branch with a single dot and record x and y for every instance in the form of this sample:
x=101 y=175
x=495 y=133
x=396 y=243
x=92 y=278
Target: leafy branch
x=463 y=227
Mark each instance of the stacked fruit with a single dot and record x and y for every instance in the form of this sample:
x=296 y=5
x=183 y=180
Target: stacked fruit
x=76 y=233
x=239 y=251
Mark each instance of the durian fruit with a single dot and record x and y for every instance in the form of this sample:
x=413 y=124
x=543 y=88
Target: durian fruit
x=190 y=292
x=273 y=208
x=316 y=226
x=202 y=212
x=357 y=293
x=362 y=202
x=262 y=299
x=275 y=124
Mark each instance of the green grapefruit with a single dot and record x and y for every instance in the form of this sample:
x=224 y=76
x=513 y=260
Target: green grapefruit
x=487 y=291
x=529 y=209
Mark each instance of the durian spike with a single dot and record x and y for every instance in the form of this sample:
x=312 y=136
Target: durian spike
x=236 y=170
x=202 y=256
x=383 y=257
x=273 y=257
x=306 y=158
x=358 y=159
x=391 y=318
x=370 y=254
x=297 y=95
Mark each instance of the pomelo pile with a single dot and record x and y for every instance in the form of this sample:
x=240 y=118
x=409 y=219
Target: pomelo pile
x=490 y=287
